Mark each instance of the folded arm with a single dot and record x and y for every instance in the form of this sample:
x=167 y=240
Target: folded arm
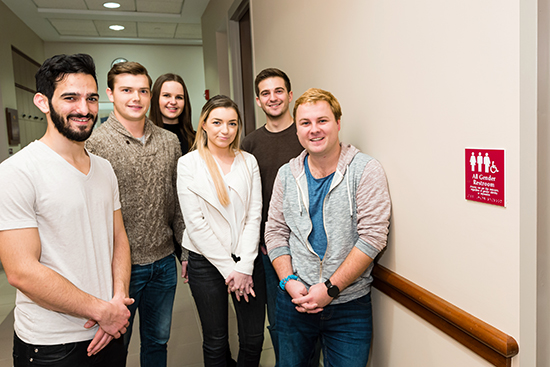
x=20 y=253
x=355 y=264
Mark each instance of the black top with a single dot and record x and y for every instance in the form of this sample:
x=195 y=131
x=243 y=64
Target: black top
x=271 y=150
x=183 y=140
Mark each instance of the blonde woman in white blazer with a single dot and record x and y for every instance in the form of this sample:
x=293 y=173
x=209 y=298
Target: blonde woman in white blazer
x=220 y=196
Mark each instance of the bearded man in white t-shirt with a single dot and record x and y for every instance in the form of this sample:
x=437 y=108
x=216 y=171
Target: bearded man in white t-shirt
x=62 y=239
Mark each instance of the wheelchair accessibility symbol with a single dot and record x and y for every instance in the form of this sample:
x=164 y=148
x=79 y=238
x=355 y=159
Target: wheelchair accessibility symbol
x=493 y=168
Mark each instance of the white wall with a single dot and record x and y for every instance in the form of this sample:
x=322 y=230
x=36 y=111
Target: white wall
x=14 y=33
x=185 y=61
x=214 y=39
x=419 y=82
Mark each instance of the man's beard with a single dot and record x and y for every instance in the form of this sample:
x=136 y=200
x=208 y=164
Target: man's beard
x=63 y=125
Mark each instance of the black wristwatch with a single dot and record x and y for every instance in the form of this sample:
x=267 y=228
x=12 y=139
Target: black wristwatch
x=332 y=290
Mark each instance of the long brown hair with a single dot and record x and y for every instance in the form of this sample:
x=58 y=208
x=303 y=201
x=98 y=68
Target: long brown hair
x=201 y=142
x=185 y=123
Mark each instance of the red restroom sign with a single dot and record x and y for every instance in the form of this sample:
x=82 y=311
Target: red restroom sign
x=485 y=179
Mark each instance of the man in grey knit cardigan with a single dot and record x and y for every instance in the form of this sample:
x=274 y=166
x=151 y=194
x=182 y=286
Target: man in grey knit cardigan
x=144 y=158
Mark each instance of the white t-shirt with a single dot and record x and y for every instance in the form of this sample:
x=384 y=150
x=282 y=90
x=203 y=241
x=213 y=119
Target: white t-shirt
x=74 y=216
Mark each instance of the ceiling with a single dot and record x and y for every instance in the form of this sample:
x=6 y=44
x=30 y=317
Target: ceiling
x=145 y=21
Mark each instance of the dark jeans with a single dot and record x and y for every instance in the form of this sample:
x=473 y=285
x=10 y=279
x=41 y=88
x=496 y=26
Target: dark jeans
x=345 y=331
x=210 y=295
x=67 y=355
x=153 y=287
x=272 y=284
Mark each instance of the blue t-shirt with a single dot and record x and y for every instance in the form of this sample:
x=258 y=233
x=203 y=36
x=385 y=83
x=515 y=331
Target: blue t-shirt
x=317 y=190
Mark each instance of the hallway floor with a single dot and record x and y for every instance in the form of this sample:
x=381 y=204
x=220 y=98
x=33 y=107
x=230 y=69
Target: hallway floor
x=184 y=348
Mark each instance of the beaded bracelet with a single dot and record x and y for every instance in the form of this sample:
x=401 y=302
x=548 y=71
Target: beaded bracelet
x=283 y=282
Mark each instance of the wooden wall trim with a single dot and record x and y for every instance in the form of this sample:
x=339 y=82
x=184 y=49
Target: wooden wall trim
x=23 y=55
x=485 y=340
x=17 y=85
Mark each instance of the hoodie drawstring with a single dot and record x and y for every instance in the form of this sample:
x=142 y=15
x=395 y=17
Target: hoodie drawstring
x=349 y=193
x=301 y=194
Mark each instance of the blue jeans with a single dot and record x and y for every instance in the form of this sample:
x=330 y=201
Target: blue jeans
x=210 y=295
x=153 y=287
x=67 y=355
x=272 y=288
x=345 y=332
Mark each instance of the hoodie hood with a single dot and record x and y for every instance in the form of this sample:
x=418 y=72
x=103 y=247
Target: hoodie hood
x=347 y=153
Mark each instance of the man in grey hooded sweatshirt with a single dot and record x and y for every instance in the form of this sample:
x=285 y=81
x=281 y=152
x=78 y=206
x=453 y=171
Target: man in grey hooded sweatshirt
x=328 y=220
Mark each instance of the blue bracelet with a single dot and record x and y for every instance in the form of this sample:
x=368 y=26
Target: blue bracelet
x=283 y=282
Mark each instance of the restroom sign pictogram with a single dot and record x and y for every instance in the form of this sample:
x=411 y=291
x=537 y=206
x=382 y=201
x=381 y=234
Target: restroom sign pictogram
x=485 y=178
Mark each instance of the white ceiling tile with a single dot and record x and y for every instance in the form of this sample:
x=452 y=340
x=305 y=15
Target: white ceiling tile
x=186 y=30
x=186 y=14
x=160 y=6
x=125 y=5
x=70 y=27
x=129 y=31
x=156 y=30
x=61 y=4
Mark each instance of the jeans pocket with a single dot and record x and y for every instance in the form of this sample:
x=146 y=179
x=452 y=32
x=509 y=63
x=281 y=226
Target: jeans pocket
x=280 y=295
x=364 y=302
x=50 y=355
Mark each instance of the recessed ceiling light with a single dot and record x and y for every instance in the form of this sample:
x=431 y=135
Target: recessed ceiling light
x=111 y=5
x=116 y=27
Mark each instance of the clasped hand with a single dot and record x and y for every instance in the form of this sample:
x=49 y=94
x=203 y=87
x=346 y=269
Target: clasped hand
x=308 y=302
x=113 y=323
x=241 y=284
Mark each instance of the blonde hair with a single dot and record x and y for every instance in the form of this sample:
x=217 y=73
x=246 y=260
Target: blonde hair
x=314 y=95
x=201 y=142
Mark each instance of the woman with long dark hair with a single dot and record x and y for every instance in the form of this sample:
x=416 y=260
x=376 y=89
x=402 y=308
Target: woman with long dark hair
x=171 y=108
x=220 y=194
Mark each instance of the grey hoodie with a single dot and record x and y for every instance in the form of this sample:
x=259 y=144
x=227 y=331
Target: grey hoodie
x=356 y=213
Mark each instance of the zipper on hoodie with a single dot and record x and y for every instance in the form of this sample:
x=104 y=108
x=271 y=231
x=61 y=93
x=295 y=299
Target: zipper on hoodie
x=324 y=227
x=326 y=250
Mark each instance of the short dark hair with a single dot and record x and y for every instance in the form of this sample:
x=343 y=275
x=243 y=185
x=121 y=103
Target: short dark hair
x=271 y=73
x=54 y=70
x=128 y=67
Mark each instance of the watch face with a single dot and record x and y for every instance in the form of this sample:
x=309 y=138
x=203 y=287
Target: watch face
x=333 y=291
x=117 y=60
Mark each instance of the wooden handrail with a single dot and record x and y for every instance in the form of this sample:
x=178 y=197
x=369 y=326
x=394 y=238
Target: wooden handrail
x=490 y=343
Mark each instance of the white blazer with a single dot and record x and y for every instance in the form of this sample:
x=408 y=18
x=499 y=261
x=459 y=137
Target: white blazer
x=207 y=227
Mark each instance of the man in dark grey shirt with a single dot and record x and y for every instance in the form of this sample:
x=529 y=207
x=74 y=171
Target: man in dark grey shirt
x=273 y=145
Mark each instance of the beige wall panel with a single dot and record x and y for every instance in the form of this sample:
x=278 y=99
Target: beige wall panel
x=421 y=345
x=14 y=33
x=419 y=82
x=23 y=130
x=214 y=20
